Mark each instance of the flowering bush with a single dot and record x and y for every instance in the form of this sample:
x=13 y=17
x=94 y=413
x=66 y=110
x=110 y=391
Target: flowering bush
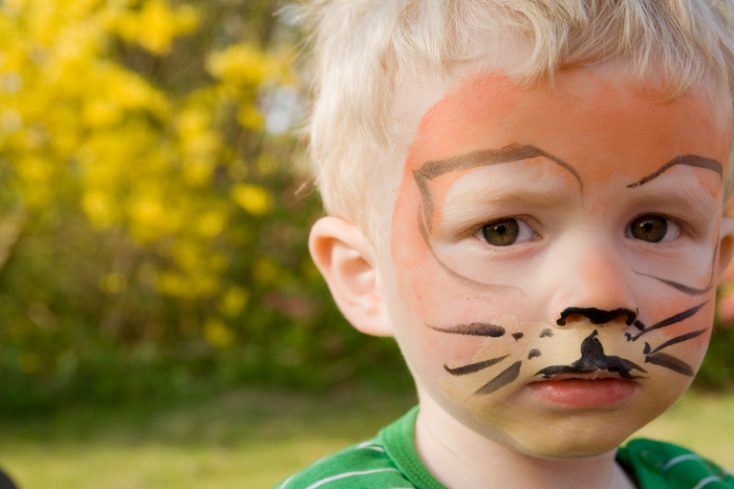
x=148 y=209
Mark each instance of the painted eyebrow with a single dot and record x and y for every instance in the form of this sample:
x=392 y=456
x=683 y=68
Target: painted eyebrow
x=485 y=157
x=688 y=160
x=507 y=154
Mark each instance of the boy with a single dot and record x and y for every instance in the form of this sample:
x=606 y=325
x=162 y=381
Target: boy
x=528 y=195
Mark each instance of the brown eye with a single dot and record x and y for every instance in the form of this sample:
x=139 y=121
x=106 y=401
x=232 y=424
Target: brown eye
x=501 y=233
x=651 y=228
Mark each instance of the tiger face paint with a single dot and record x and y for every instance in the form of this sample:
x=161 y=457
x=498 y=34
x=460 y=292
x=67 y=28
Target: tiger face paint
x=554 y=252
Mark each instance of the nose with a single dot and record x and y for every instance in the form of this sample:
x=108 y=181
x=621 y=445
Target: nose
x=595 y=283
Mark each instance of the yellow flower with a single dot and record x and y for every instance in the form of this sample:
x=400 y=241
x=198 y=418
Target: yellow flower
x=218 y=334
x=147 y=211
x=234 y=301
x=188 y=256
x=113 y=283
x=211 y=224
x=265 y=271
x=172 y=284
x=252 y=198
x=98 y=209
x=99 y=113
x=191 y=121
x=249 y=117
x=197 y=173
x=239 y=65
x=156 y=25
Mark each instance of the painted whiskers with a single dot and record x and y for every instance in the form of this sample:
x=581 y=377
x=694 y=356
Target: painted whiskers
x=592 y=358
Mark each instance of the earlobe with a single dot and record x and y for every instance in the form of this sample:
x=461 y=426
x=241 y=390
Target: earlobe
x=726 y=248
x=345 y=258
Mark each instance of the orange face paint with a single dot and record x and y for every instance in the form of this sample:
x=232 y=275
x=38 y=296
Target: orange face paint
x=612 y=195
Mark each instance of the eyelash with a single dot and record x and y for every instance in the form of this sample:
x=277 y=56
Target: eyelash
x=525 y=227
x=678 y=227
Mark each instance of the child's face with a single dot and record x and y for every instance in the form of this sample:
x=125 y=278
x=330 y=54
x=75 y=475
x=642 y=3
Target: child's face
x=553 y=255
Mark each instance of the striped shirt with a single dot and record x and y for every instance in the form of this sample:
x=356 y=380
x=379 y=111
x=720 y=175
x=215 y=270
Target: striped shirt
x=390 y=461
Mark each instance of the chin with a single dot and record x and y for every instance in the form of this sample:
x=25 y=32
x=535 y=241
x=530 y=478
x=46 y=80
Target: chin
x=563 y=437
x=568 y=447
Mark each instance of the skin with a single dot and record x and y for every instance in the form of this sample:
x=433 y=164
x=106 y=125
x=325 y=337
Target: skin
x=477 y=322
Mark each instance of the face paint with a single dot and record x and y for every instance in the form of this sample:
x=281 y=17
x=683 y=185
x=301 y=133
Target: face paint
x=537 y=235
x=474 y=329
x=597 y=316
x=592 y=359
x=534 y=353
x=690 y=160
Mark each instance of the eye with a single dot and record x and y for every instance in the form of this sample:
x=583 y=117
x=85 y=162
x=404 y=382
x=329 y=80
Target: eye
x=506 y=231
x=653 y=229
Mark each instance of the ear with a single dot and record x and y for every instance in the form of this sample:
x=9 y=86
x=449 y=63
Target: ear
x=346 y=259
x=725 y=271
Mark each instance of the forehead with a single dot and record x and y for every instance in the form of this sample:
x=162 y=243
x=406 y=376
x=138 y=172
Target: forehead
x=605 y=125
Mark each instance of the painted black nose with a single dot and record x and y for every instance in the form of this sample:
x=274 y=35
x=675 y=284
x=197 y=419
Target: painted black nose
x=597 y=316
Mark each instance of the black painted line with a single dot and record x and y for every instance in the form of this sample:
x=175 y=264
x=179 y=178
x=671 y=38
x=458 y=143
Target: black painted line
x=676 y=318
x=597 y=316
x=474 y=367
x=502 y=379
x=493 y=288
x=473 y=329
x=593 y=358
x=688 y=160
x=670 y=362
x=507 y=154
x=678 y=339
x=686 y=289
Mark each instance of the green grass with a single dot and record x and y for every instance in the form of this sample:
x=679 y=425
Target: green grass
x=251 y=439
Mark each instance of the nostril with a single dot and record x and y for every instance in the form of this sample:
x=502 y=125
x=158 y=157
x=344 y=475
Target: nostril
x=596 y=316
x=568 y=317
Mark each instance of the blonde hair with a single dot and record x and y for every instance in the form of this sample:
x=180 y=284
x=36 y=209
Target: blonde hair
x=360 y=45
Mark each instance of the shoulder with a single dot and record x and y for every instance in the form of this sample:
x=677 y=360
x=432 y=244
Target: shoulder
x=658 y=464
x=365 y=465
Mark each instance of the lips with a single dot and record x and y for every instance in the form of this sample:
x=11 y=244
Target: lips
x=587 y=393
x=595 y=375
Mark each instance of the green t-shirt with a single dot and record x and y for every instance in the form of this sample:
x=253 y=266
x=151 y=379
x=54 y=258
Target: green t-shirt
x=390 y=461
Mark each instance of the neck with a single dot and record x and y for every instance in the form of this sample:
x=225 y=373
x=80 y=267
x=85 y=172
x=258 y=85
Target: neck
x=468 y=460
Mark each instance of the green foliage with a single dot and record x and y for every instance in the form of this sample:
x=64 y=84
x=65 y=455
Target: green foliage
x=151 y=234
x=717 y=371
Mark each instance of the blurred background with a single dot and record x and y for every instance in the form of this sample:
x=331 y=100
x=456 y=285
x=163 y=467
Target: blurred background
x=161 y=323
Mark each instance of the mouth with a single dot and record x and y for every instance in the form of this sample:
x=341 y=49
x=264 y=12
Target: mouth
x=594 y=381
x=593 y=375
x=588 y=391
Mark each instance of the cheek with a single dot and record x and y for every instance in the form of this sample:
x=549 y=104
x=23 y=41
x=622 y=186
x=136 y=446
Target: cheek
x=433 y=293
x=691 y=351
x=433 y=299
x=418 y=273
x=672 y=307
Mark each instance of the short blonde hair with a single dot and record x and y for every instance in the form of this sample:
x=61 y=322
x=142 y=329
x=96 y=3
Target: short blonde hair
x=360 y=45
